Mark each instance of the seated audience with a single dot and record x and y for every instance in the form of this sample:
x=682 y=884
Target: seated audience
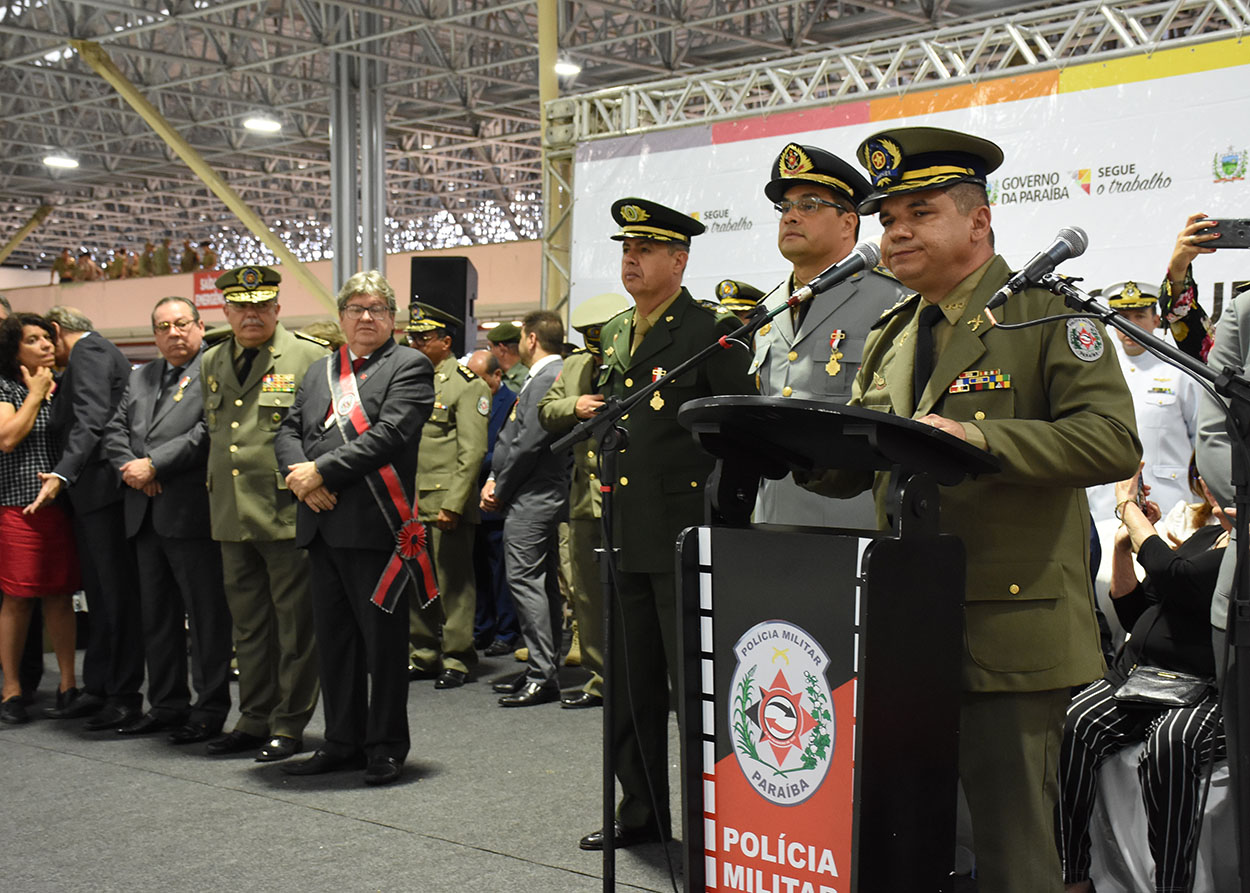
x=1167 y=614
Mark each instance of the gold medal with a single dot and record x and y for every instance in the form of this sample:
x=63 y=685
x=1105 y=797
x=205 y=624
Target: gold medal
x=657 y=402
x=833 y=367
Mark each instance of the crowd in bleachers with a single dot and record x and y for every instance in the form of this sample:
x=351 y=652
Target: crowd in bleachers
x=123 y=263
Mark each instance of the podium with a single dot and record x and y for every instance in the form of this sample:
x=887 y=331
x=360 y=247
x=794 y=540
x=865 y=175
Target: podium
x=820 y=681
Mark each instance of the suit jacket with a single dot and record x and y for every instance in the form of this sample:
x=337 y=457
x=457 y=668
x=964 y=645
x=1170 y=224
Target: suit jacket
x=173 y=435
x=1064 y=424
x=662 y=474
x=453 y=443
x=247 y=492
x=797 y=364
x=557 y=413
x=529 y=477
x=396 y=391
x=500 y=406
x=1215 y=458
x=87 y=396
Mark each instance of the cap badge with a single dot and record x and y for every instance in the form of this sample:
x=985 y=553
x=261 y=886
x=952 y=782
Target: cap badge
x=727 y=289
x=249 y=277
x=633 y=214
x=793 y=161
x=1131 y=291
x=885 y=159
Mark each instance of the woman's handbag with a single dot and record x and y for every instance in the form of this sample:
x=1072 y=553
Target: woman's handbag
x=1160 y=688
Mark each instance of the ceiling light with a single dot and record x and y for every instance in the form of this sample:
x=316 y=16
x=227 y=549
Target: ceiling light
x=262 y=124
x=567 y=68
x=60 y=161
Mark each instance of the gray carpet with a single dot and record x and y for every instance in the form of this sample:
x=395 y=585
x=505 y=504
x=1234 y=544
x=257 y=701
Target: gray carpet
x=492 y=801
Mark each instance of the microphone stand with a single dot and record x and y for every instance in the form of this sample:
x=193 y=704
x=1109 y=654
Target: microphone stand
x=1231 y=384
x=605 y=427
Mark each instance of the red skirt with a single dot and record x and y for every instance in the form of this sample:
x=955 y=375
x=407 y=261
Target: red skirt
x=37 y=553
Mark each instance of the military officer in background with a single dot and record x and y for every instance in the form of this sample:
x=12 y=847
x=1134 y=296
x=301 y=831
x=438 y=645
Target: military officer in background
x=737 y=298
x=659 y=492
x=453 y=442
x=570 y=400
x=813 y=353
x=505 y=340
x=249 y=381
x=1049 y=402
x=1165 y=401
x=161 y=265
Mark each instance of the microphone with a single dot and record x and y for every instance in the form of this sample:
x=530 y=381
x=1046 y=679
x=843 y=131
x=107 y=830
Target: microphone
x=1071 y=242
x=863 y=256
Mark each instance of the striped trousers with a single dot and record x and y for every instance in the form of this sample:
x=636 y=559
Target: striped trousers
x=1177 y=742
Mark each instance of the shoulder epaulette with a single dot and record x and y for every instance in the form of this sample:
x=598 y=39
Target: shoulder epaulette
x=313 y=338
x=465 y=372
x=898 y=308
x=883 y=271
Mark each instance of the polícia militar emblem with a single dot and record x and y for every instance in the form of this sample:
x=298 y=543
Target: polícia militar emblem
x=885 y=158
x=781 y=712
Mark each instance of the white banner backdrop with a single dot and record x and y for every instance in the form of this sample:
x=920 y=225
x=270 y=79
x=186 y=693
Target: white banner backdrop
x=1127 y=163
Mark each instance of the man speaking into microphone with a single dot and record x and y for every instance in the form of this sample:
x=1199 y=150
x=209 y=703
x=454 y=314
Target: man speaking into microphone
x=1051 y=404
x=813 y=351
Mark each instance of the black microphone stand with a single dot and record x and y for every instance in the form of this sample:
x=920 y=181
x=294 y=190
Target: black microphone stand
x=605 y=427
x=1231 y=384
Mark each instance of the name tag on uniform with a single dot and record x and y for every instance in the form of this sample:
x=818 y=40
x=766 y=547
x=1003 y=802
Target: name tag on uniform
x=974 y=380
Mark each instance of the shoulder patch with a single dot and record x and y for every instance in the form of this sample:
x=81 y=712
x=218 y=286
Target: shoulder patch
x=1084 y=339
x=898 y=308
x=313 y=338
x=465 y=372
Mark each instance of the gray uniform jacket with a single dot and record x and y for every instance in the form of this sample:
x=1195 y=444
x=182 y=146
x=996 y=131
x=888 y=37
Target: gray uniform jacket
x=798 y=364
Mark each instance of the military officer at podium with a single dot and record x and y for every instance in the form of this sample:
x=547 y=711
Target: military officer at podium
x=659 y=492
x=1050 y=403
x=453 y=442
x=813 y=352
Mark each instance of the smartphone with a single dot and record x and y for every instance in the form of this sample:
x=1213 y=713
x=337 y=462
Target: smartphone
x=1141 y=494
x=1234 y=233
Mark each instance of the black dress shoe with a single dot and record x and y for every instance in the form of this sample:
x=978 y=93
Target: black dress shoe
x=530 y=694
x=450 y=678
x=322 y=762
x=579 y=700
x=510 y=685
x=279 y=747
x=112 y=716
x=74 y=703
x=382 y=770
x=194 y=731
x=500 y=647
x=422 y=672
x=482 y=642
x=148 y=723
x=624 y=837
x=12 y=711
x=233 y=742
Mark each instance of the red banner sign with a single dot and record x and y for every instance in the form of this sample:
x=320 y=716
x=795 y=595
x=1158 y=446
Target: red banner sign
x=207 y=297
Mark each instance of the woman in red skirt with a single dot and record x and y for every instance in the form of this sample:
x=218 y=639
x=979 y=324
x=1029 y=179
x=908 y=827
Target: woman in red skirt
x=37 y=554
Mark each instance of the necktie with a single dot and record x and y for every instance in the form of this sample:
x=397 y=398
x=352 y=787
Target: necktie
x=167 y=383
x=641 y=327
x=929 y=315
x=243 y=363
x=357 y=363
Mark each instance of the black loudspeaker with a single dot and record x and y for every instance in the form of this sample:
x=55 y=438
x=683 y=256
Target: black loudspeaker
x=450 y=284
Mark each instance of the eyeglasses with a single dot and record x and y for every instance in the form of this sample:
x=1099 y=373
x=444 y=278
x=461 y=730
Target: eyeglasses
x=417 y=338
x=376 y=311
x=181 y=325
x=808 y=204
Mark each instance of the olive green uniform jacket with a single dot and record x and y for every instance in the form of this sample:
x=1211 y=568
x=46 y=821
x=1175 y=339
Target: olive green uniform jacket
x=662 y=473
x=453 y=443
x=247 y=493
x=1065 y=423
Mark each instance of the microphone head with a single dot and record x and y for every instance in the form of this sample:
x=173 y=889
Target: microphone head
x=871 y=253
x=1076 y=240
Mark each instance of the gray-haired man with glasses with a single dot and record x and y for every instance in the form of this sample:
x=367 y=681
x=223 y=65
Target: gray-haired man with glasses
x=158 y=441
x=813 y=352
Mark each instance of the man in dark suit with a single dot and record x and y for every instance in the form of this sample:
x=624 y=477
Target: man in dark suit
x=495 y=627
x=660 y=484
x=158 y=441
x=530 y=484
x=348 y=449
x=90 y=391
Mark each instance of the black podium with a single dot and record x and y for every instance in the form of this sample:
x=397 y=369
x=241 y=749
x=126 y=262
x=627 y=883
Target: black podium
x=820 y=683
